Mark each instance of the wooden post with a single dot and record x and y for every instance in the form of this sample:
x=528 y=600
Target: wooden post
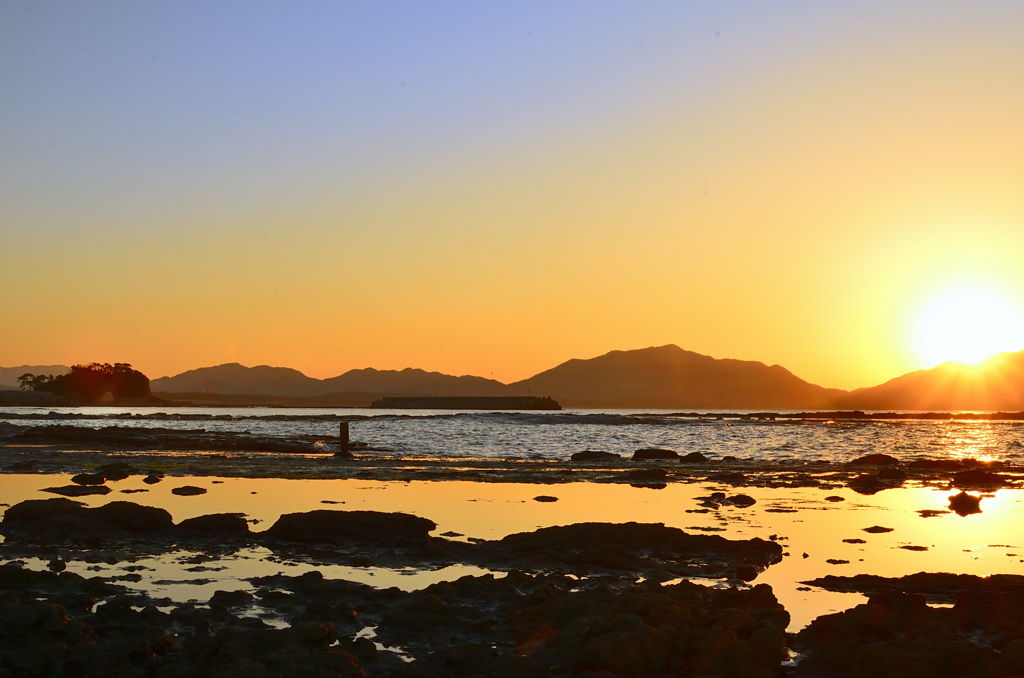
x=343 y=442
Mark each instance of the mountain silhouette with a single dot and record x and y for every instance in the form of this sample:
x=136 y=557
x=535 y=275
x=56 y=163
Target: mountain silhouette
x=656 y=377
x=235 y=379
x=670 y=377
x=414 y=381
x=996 y=384
x=9 y=375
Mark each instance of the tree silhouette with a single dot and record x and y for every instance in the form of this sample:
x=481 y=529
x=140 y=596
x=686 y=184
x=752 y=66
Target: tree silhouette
x=89 y=383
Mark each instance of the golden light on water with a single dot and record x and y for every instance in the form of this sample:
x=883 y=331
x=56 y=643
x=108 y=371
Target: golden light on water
x=969 y=325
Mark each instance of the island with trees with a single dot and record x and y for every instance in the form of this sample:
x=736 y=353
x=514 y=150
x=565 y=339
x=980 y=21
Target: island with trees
x=93 y=384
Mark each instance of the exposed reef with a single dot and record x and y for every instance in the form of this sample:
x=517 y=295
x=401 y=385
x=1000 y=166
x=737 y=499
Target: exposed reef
x=399 y=539
x=519 y=626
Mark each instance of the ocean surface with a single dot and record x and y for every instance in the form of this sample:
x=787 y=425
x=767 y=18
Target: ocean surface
x=428 y=434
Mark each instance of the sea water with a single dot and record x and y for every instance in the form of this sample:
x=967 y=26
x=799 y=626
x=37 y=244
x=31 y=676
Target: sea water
x=418 y=434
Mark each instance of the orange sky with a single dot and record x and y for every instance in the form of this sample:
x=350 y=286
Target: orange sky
x=501 y=192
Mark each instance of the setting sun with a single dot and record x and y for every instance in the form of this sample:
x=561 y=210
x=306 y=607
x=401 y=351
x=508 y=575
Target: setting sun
x=969 y=325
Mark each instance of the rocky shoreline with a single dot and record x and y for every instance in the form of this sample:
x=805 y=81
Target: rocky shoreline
x=588 y=600
x=595 y=599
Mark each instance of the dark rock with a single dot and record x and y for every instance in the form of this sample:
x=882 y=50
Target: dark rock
x=647 y=474
x=740 y=500
x=877 y=529
x=834 y=498
x=71 y=519
x=188 y=490
x=89 y=479
x=854 y=541
x=152 y=479
x=545 y=498
x=978 y=478
x=943 y=464
x=866 y=483
x=693 y=458
x=942 y=583
x=654 y=454
x=746 y=572
x=78 y=490
x=875 y=460
x=964 y=504
x=912 y=547
x=117 y=471
x=216 y=524
x=899 y=634
x=132 y=517
x=892 y=473
x=837 y=561
x=626 y=546
x=592 y=455
x=525 y=626
x=339 y=527
x=232 y=598
x=930 y=513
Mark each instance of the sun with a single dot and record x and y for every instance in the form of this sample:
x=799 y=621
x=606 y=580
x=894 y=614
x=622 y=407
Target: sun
x=969 y=325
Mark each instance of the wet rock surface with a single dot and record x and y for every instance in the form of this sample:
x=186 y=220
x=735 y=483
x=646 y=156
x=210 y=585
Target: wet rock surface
x=519 y=625
x=875 y=460
x=975 y=478
x=216 y=525
x=339 y=527
x=146 y=438
x=71 y=520
x=593 y=455
x=253 y=456
x=587 y=548
x=543 y=625
x=867 y=483
x=188 y=491
x=654 y=454
x=965 y=504
x=574 y=607
x=941 y=586
x=400 y=540
x=78 y=490
x=64 y=625
x=899 y=634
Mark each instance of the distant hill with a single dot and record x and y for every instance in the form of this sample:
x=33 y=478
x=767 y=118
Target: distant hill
x=668 y=376
x=997 y=384
x=413 y=381
x=235 y=379
x=657 y=377
x=232 y=378
x=9 y=375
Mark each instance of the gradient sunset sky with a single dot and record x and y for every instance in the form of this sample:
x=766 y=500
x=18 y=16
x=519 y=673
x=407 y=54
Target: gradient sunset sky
x=494 y=188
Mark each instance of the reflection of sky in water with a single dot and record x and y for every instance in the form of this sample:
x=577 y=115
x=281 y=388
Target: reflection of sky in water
x=558 y=434
x=982 y=544
x=176 y=576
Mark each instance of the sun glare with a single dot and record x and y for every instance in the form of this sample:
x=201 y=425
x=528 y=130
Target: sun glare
x=969 y=326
